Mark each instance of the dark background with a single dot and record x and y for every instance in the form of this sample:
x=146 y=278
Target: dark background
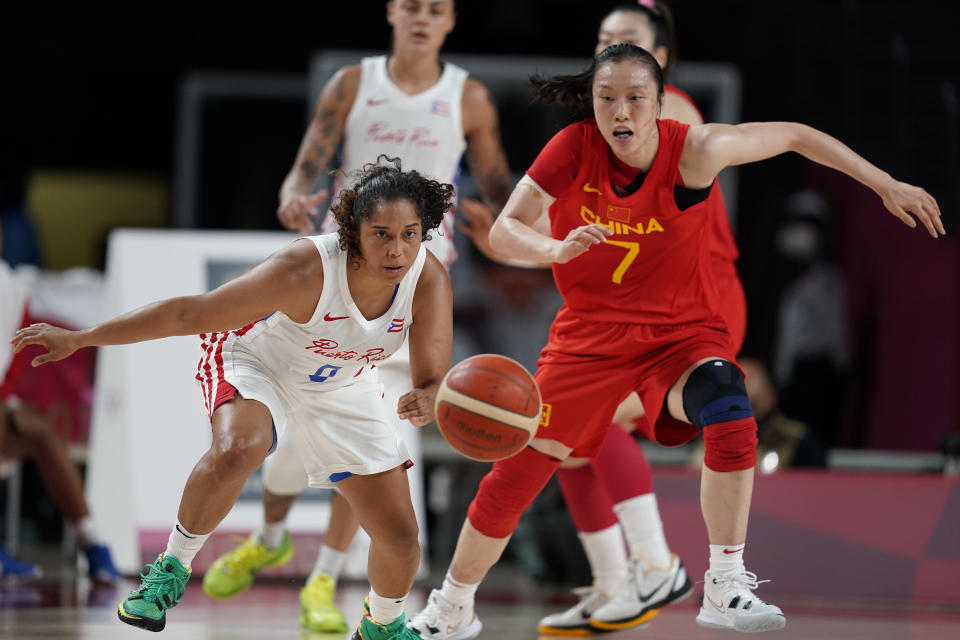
x=100 y=90
x=97 y=89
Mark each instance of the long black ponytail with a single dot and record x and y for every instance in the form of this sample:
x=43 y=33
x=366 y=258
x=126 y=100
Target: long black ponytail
x=575 y=91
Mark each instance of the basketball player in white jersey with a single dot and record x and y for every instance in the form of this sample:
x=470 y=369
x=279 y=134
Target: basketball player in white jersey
x=428 y=113
x=317 y=317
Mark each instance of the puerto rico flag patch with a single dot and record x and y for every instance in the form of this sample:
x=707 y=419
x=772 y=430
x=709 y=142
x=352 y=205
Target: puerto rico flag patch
x=440 y=108
x=396 y=325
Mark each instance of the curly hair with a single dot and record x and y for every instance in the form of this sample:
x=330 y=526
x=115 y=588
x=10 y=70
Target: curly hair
x=384 y=181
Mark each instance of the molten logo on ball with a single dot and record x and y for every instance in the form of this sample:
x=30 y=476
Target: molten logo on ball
x=478 y=432
x=488 y=407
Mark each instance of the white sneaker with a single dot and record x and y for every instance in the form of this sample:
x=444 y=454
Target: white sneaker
x=642 y=597
x=576 y=619
x=441 y=620
x=729 y=603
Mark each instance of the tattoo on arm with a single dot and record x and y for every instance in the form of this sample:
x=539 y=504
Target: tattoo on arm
x=322 y=138
x=494 y=178
x=486 y=158
x=319 y=149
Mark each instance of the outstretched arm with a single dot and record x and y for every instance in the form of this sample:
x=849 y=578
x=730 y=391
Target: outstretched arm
x=710 y=148
x=431 y=342
x=319 y=144
x=290 y=281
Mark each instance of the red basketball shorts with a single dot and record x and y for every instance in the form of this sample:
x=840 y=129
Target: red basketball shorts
x=732 y=301
x=588 y=368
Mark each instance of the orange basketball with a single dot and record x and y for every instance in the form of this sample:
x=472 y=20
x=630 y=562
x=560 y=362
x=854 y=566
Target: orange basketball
x=488 y=407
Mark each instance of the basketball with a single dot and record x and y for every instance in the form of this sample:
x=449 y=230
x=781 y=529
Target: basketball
x=488 y=407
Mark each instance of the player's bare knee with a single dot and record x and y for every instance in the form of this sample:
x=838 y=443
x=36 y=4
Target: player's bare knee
x=241 y=453
x=401 y=538
x=508 y=489
x=715 y=401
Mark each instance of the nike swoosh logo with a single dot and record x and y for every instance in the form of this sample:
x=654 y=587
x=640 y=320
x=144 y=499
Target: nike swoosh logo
x=375 y=103
x=718 y=607
x=330 y=318
x=731 y=551
x=184 y=533
x=590 y=189
x=644 y=598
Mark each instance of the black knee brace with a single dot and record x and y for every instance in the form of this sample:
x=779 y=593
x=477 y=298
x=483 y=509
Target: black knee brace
x=714 y=393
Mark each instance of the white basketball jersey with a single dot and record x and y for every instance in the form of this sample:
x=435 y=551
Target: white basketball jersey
x=12 y=304
x=337 y=346
x=424 y=130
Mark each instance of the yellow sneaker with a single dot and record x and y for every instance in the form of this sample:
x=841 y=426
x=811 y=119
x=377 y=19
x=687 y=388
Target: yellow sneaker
x=317 y=610
x=233 y=572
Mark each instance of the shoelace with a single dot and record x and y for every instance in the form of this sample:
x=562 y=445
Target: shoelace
x=747 y=579
x=582 y=593
x=159 y=585
x=246 y=555
x=431 y=614
x=321 y=590
x=586 y=596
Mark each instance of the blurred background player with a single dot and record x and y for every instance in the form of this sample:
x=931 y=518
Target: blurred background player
x=382 y=284
x=430 y=114
x=611 y=496
x=27 y=432
x=633 y=320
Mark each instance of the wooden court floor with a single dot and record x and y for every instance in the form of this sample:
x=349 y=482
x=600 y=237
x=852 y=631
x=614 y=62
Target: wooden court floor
x=66 y=609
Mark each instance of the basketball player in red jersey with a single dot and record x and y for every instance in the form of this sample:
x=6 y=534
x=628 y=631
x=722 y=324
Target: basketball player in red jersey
x=627 y=197
x=611 y=496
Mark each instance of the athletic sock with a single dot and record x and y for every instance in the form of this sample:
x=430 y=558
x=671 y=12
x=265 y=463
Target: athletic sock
x=184 y=545
x=726 y=557
x=330 y=562
x=385 y=610
x=457 y=592
x=86 y=533
x=607 y=555
x=640 y=519
x=272 y=534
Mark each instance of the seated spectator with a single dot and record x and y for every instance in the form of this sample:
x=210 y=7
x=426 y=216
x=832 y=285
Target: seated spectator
x=28 y=432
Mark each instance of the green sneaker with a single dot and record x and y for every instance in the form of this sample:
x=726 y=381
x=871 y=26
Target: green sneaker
x=234 y=571
x=396 y=630
x=162 y=588
x=317 y=610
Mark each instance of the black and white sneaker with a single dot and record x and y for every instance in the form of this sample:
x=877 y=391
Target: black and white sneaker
x=442 y=620
x=642 y=597
x=576 y=619
x=729 y=603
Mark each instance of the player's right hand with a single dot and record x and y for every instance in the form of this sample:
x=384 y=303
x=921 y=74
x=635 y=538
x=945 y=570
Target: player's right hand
x=58 y=342
x=296 y=212
x=579 y=240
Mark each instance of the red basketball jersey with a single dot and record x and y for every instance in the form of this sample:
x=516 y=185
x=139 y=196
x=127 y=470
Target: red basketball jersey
x=654 y=269
x=723 y=247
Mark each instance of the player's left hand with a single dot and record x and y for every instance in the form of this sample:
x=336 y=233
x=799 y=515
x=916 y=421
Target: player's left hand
x=903 y=199
x=417 y=406
x=479 y=219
